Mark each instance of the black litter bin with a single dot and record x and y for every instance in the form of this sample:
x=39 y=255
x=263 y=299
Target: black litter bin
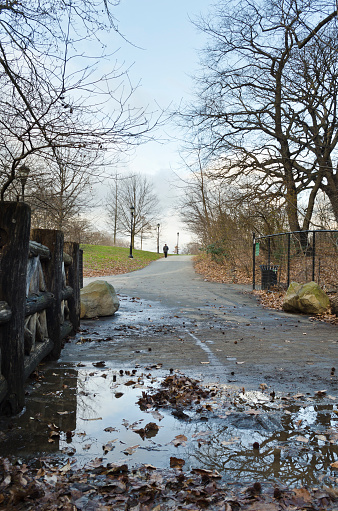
x=269 y=275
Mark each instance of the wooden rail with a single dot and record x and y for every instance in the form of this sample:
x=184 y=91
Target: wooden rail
x=39 y=299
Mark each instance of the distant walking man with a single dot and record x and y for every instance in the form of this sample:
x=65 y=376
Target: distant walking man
x=165 y=250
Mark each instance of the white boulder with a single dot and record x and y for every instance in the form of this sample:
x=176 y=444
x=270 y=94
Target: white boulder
x=98 y=299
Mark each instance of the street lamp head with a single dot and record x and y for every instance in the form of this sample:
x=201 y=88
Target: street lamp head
x=158 y=225
x=23 y=173
x=132 y=209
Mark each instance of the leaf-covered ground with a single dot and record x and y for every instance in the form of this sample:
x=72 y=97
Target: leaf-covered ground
x=223 y=273
x=115 y=487
x=47 y=484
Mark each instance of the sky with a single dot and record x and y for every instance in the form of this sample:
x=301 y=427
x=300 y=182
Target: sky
x=162 y=56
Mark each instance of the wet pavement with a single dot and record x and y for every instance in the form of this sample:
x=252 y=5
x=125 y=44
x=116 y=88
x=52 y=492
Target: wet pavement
x=218 y=332
x=273 y=414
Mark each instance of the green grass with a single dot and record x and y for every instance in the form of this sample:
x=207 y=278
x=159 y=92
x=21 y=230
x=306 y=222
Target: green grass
x=102 y=261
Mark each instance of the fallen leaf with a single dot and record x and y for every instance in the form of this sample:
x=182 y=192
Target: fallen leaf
x=130 y=450
x=157 y=415
x=179 y=440
x=176 y=463
x=252 y=411
x=207 y=473
x=303 y=495
x=109 y=446
x=302 y=439
x=66 y=468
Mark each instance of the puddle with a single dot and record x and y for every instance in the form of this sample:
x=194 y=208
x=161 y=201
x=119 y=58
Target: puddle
x=90 y=412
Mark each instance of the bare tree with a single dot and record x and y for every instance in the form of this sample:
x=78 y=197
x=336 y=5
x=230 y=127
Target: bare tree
x=135 y=191
x=247 y=119
x=50 y=100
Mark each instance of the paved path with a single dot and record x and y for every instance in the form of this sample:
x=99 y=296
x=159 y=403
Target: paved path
x=169 y=315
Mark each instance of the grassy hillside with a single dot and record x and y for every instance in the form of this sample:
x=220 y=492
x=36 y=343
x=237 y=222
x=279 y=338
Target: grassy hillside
x=100 y=261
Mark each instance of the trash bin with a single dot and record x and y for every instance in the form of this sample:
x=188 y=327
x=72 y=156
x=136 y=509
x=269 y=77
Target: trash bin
x=269 y=275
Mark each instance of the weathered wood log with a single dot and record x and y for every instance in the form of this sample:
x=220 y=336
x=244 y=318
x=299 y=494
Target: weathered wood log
x=3 y=389
x=66 y=293
x=53 y=277
x=29 y=341
x=40 y=335
x=14 y=247
x=67 y=259
x=36 y=249
x=43 y=323
x=66 y=329
x=5 y=312
x=41 y=351
x=73 y=280
x=38 y=303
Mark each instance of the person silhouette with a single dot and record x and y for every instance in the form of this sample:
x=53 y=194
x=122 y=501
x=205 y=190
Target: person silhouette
x=165 y=250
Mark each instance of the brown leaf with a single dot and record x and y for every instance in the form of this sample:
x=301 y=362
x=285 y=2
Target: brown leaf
x=176 y=463
x=99 y=364
x=207 y=473
x=302 y=496
x=109 y=446
x=179 y=440
x=130 y=450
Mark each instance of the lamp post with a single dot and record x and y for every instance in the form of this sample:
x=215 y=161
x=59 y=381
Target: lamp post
x=158 y=238
x=178 y=235
x=132 y=209
x=23 y=175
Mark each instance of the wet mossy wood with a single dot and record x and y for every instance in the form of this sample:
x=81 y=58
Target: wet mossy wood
x=36 y=249
x=54 y=282
x=14 y=247
x=39 y=299
x=5 y=312
x=38 y=303
x=73 y=274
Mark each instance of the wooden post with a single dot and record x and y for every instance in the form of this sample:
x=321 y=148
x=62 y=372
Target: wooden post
x=53 y=277
x=14 y=243
x=73 y=280
x=253 y=260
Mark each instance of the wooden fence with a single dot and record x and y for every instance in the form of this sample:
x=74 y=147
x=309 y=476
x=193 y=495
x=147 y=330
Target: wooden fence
x=39 y=299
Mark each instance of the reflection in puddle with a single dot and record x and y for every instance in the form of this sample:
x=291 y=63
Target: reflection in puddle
x=85 y=413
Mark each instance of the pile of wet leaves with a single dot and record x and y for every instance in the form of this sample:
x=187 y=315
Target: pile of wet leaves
x=178 y=392
x=113 y=486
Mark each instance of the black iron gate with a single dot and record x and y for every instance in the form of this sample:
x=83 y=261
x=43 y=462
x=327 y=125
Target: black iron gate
x=297 y=255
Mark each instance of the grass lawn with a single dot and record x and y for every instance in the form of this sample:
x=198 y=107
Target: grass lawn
x=101 y=261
